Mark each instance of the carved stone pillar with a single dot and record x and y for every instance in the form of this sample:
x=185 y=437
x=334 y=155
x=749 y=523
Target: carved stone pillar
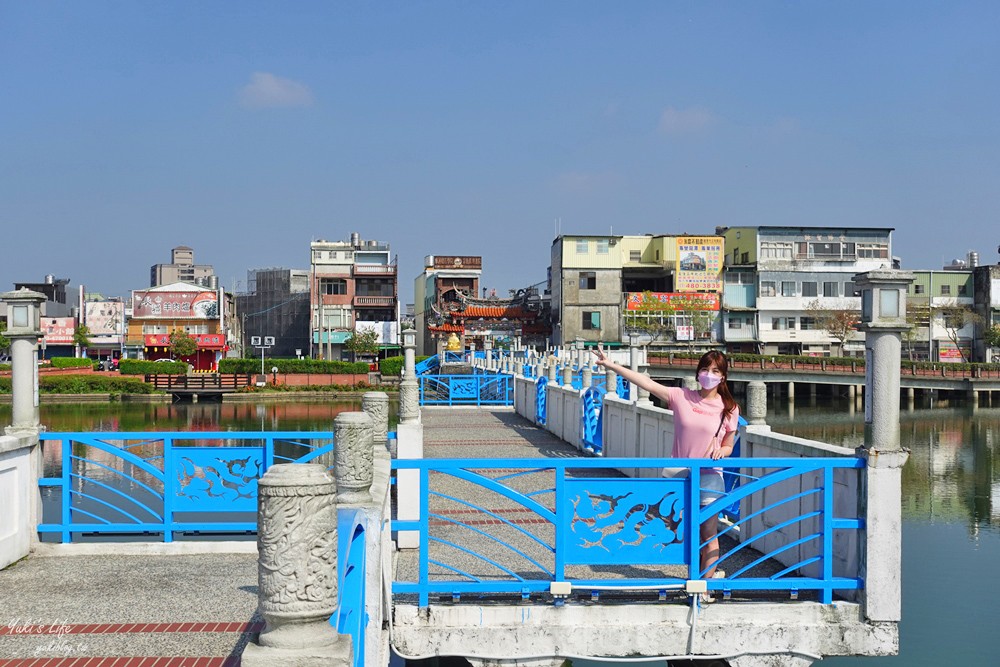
x=567 y=375
x=354 y=455
x=611 y=381
x=297 y=569
x=409 y=389
x=376 y=405
x=756 y=403
x=588 y=377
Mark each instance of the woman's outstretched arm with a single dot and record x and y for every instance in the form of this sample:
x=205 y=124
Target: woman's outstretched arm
x=638 y=379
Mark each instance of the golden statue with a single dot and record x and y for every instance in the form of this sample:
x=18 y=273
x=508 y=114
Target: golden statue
x=453 y=344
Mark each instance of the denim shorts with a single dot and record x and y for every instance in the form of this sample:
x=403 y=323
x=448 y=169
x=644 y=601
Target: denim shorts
x=712 y=487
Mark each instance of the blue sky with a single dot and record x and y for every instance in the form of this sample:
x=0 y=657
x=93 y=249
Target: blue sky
x=245 y=130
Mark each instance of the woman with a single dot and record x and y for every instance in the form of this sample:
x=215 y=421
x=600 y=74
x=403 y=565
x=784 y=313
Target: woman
x=705 y=423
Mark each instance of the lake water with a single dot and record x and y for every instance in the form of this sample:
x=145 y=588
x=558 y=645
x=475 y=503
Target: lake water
x=951 y=499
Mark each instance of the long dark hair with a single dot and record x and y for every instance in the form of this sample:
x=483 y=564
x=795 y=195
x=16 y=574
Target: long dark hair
x=707 y=359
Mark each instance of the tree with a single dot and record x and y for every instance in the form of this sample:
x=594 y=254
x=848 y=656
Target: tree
x=955 y=318
x=992 y=336
x=4 y=341
x=181 y=344
x=81 y=337
x=840 y=323
x=363 y=342
x=651 y=317
x=917 y=319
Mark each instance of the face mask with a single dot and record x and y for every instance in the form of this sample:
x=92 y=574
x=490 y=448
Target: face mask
x=708 y=381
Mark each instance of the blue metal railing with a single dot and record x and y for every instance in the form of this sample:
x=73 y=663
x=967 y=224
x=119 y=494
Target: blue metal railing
x=515 y=526
x=497 y=389
x=541 y=400
x=160 y=482
x=351 y=617
x=428 y=365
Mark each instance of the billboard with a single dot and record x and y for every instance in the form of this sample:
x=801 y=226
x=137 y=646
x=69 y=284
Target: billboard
x=699 y=264
x=104 y=318
x=58 y=330
x=670 y=301
x=200 y=304
x=204 y=341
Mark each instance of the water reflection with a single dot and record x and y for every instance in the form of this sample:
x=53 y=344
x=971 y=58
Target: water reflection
x=953 y=473
x=301 y=415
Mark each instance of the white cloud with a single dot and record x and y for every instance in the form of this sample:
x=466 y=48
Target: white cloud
x=268 y=90
x=685 y=121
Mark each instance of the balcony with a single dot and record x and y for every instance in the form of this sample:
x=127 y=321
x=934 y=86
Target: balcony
x=374 y=302
x=374 y=269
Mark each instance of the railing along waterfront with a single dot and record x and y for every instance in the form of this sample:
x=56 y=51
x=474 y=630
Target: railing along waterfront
x=514 y=527
x=166 y=482
x=466 y=389
x=780 y=364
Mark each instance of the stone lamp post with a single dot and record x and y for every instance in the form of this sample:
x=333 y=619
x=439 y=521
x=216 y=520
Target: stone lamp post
x=23 y=330
x=883 y=319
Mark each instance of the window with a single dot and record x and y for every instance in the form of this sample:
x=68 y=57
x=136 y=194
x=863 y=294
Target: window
x=591 y=320
x=775 y=250
x=635 y=255
x=963 y=290
x=787 y=288
x=739 y=278
x=332 y=286
x=782 y=323
x=736 y=323
x=736 y=255
x=945 y=290
x=808 y=323
x=588 y=280
x=850 y=289
x=809 y=289
x=918 y=289
x=582 y=246
x=602 y=246
x=824 y=250
x=872 y=251
x=767 y=288
x=831 y=289
x=745 y=258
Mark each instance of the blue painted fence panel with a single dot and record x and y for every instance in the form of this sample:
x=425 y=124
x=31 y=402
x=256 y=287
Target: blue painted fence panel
x=516 y=525
x=160 y=482
x=496 y=389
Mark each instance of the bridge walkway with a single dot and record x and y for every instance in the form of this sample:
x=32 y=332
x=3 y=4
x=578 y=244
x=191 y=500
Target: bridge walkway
x=500 y=433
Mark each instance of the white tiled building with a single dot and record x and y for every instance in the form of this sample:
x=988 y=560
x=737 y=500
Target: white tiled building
x=782 y=281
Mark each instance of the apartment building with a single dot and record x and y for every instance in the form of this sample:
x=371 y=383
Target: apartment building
x=663 y=290
x=940 y=306
x=199 y=312
x=784 y=284
x=353 y=286
x=183 y=269
x=986 y=294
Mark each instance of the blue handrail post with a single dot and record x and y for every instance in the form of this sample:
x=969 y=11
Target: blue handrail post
x=169 y=490
x=67 y=488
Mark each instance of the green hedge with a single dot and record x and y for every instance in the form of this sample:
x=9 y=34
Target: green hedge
x=292 y=366
x=85 y=384
x=72 y=362
x=142 y=367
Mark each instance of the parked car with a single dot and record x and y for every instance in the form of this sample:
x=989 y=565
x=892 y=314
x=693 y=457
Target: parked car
x=168 y=359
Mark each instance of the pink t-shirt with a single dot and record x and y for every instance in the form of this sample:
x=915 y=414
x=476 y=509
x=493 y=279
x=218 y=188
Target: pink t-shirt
x=696 y=420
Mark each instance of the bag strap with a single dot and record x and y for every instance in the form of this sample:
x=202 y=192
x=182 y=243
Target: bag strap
x=722 y=420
